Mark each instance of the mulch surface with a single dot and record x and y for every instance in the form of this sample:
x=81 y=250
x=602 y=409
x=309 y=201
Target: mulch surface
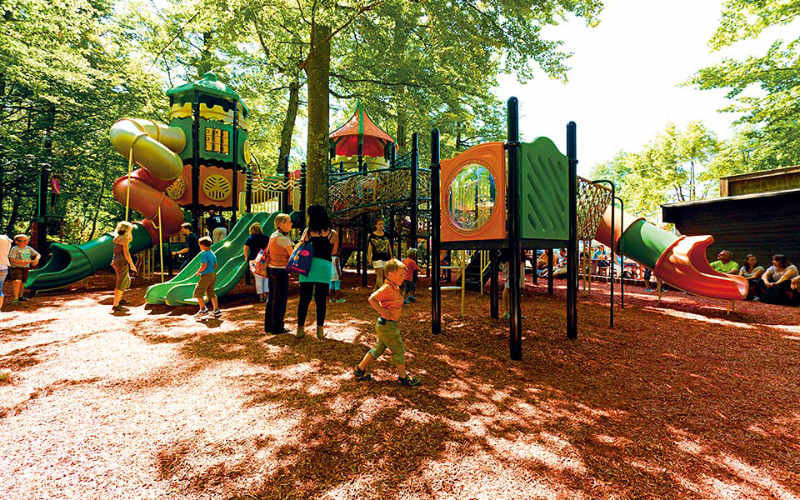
x=681 y=399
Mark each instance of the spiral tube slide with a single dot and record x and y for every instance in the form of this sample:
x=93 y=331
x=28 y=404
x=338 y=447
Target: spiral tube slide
x=678 y=260
x=155 y=147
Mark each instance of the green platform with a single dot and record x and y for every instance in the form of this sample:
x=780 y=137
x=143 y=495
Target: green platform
x=230 y=262
x=544 y=191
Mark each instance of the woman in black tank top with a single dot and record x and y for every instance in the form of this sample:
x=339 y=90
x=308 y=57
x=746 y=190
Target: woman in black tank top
x=325 y=243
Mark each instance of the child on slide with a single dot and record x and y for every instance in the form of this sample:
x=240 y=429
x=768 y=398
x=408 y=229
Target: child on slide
x=388 y=303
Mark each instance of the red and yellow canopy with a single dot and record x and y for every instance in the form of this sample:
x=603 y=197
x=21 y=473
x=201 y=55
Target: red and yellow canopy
x=360 y=126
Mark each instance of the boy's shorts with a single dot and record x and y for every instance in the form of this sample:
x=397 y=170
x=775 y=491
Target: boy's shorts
x=409 y=286
x=335 y=285
x=18 y=274
x=389 y=336
x=205 y=286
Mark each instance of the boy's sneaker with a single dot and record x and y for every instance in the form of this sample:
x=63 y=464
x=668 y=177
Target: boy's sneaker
x=217 y=313
x=24 y=299
x=408 y=381
x=412 y=298
x=117 y=309
x=361 y=375
x=341 y=301
x=199 y=314
x=406 y=300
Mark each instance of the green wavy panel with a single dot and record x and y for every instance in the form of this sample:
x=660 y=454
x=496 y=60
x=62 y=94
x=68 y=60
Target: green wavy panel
x=544 y=188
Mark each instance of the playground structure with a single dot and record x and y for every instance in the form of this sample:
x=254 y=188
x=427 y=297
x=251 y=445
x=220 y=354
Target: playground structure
x=200 y=160
x=366 y=178
x=549 y=207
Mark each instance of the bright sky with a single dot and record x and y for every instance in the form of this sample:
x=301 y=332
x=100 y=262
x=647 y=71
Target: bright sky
x=624 y=83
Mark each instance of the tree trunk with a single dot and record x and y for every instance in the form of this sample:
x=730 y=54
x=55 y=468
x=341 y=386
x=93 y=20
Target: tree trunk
x=318 y=72
x=402 y=121
x=288 y=123
x=205 y=63
x=12 y=220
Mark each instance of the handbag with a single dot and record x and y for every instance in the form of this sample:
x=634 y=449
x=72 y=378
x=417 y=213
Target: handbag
x=261 y=263
x=300 y=260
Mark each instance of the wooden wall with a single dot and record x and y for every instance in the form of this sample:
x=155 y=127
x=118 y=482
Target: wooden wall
x=761 y=225
x=779 y=179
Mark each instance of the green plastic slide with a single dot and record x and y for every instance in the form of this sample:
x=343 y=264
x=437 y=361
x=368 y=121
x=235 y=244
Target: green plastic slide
x=71 y=263
x=231 y=265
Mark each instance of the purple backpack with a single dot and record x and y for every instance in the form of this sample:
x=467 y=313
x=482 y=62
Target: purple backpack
x=300 y=260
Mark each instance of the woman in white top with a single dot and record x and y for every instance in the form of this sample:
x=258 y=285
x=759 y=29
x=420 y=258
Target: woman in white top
x=776 y=281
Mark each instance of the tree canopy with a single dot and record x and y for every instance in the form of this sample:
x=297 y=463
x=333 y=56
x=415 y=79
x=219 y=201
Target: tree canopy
x=69 y=70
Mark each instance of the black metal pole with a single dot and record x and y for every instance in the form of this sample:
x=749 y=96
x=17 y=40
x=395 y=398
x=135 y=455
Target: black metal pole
x=303 y=192
x=493 y=284
x=515 y=254
x=550 y=257
x=248 y=197
x=436 y=290
x=235 y=177
x=572 y=253
x=285 y=195
x=196 y=162
x=613 y=244
x=621 y=254
x=412 y=237
x=364 y=243
x=535 y=268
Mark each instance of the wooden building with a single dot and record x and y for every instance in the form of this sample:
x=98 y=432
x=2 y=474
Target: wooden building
x=757 y=213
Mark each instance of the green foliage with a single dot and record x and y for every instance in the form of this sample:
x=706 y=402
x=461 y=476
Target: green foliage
x=69 y=70
x=764 y=90
x=669 y=168
x=66 y=77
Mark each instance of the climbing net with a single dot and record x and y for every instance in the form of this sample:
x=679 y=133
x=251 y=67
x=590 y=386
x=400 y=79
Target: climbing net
x=592 y=202
x=351 y=195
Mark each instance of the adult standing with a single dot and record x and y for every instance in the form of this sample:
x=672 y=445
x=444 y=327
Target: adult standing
x=379 y=250
x=254 y=244
x=5 y=247
x=122 y=262
x=776 y=281
x=279 y=249
x=325 y=243
x=192 y=248
x=217 y=226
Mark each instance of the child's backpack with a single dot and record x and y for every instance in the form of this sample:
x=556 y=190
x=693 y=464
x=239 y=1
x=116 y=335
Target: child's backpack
x=261 y=263
x=300 y=260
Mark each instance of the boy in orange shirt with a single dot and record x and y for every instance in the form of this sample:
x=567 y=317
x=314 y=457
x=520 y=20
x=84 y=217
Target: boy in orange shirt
x=388 y=303
x=410 y=282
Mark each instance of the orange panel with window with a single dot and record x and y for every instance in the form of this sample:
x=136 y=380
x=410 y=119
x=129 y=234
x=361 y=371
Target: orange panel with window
x=473 y=195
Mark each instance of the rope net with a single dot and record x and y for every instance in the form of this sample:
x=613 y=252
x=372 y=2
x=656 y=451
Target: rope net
x=592 y=202
x=360 y=193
